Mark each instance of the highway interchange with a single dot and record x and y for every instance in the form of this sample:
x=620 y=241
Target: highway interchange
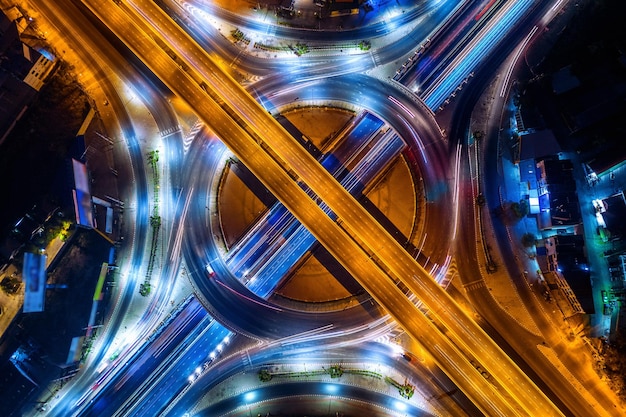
x=376 y=259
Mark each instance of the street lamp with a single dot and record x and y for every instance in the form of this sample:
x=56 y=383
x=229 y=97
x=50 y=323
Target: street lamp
x=248 y=397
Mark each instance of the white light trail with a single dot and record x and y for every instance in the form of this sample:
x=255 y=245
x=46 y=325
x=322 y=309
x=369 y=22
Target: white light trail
x=402 y=106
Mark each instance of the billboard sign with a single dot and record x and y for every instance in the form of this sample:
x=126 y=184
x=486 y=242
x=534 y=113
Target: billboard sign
x=34 y=276
x=82 y=195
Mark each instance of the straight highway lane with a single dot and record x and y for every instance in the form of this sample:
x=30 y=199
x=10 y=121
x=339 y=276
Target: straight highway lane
x=158 y=392
x=136 y=370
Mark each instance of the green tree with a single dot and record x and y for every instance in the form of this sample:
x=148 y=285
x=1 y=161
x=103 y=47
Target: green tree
x=529 y=240
x=301 y=49
x=155 y=221
x=614 y=365
x=478 y=135
x=265 y=375
x=144 y=289
x=365 y=45
x=520 y=209
x=335 y=371
x=153 y=157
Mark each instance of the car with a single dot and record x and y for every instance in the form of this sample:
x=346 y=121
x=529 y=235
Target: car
x=210 y=270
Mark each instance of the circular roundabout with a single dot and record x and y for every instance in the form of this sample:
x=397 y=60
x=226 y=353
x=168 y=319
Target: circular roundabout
x=246 y=253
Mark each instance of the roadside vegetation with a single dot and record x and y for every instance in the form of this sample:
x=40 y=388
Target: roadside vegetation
x=155 y=222
x=405 y=389
x=613 y=364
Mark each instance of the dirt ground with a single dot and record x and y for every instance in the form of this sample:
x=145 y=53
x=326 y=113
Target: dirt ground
x=393 y=195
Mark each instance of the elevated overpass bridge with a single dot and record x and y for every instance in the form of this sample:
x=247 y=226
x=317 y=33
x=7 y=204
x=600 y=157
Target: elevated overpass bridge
x=363 y=247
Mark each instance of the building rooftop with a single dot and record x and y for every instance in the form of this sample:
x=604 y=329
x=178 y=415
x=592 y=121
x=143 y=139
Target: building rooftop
x=615 y=214
x=608 y=159
x=573 y=266
x=557 y=196
x=537 y=144
x=564 y=81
